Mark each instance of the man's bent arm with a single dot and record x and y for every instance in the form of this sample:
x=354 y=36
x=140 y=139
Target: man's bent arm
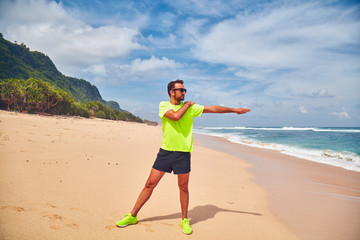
x=220 y=109
x=176 y=116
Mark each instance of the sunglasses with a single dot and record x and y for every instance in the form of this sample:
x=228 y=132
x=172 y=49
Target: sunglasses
x=181 y=89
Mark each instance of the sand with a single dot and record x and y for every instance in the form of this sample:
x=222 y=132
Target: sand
x=72 y=178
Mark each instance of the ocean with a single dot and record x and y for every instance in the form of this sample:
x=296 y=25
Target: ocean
x=339 y=147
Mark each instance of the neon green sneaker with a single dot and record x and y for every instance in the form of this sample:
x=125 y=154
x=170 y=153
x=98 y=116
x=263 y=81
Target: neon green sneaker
x=127 y=220
x=185 y=224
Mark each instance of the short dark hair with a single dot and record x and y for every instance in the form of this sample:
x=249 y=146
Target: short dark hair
x=172 y=84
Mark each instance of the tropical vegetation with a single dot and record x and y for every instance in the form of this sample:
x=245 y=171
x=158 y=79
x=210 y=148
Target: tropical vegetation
x=37 y=96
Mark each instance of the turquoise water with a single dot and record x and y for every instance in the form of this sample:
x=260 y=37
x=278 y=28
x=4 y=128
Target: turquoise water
x=335 y=146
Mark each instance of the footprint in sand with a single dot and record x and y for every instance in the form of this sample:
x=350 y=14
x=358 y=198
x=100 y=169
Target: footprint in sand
x=53 y=217
x=57 y=221
x=49 y=205
x=72 y=225
x=6 y=138
x=19 y=209
x=148 y=228
x=110 y=227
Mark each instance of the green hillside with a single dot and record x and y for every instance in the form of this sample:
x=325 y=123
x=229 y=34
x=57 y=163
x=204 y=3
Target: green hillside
x=29 y=81
x=17 y=61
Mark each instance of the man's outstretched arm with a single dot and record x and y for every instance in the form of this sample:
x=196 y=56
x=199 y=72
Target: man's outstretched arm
x=220 y=109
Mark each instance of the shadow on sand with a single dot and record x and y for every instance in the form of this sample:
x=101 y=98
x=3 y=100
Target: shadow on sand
x=198 y=214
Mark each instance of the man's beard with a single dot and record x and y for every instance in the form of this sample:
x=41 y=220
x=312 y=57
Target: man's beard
x=181 y=98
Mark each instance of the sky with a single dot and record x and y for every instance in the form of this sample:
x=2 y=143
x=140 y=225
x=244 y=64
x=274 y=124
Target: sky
x=293 y=63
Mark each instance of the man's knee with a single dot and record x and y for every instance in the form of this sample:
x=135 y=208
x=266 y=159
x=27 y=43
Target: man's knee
x=184 y=187
x=150 y=184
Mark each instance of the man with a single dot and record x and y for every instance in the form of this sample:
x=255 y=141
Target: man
x=174 y=154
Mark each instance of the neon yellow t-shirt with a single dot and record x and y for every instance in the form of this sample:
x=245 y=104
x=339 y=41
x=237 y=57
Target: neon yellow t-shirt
x=177 y=135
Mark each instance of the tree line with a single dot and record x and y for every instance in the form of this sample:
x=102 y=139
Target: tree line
x=37 y=96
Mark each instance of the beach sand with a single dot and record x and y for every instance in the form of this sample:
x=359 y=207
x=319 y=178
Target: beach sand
x=73 y=178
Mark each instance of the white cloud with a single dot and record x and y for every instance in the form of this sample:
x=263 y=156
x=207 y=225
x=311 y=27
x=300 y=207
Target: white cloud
x=342 y=115
x=290 y=36
x=153 y=63
x=166 y=21
x=321 y=93
x=294 y=48
x=46 y=27
x=191 y=31
x=96 y=69
x=258 y=74
x=302 y=109
x=172 y=37
x=137 y=70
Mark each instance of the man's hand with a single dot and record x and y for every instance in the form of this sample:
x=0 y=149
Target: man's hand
x=241 y=110
x=190 y=103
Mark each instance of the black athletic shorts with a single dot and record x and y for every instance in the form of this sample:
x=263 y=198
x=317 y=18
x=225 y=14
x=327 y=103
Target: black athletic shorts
x=168 y=161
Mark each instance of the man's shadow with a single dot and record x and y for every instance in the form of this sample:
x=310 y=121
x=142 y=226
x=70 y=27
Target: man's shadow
x=198 y=214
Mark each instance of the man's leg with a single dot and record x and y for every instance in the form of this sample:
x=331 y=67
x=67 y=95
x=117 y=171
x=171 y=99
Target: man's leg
x=154 y=178
x=183 y=182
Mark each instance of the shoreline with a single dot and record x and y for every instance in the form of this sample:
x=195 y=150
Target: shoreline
x=313 y=200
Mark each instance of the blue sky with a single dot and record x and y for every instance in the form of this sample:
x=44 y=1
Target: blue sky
x=294 y=63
